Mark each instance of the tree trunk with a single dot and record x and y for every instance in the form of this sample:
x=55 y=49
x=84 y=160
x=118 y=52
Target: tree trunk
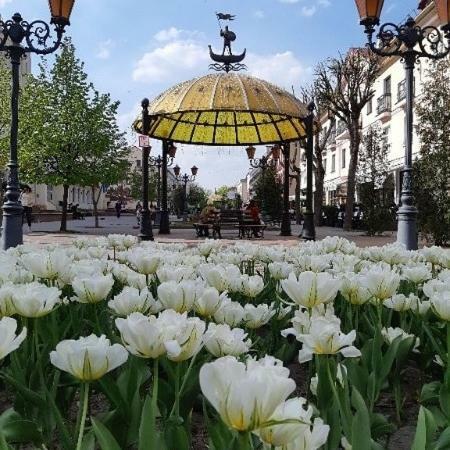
x=319 y=175
x=95 y=204
x=355 y=140
x=63 y=226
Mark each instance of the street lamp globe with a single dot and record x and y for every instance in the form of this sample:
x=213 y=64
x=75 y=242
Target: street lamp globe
x=60 y=11
x=250 y=152
x=443 y=10
x=194 y=171
x=172 y=151
x=369 y=11
x=176 y=170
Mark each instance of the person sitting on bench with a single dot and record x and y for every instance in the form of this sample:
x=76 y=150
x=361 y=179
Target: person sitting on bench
x=207 y=216
x=75 y=213
x=255 y=213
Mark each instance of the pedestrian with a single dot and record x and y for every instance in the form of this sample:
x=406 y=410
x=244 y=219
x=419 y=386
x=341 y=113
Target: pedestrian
x=118 y=208
x=27 y=200
x=138 y=213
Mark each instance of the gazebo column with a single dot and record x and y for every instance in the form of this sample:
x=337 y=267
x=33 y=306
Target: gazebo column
x=164 y=226
x=286 y=218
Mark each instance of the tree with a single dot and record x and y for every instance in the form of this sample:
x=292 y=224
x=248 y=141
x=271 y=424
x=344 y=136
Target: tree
x=343 y=86
x=135 y=182
x=372 y=177
x=431 y=172
x=269 y=193
x=64 y=130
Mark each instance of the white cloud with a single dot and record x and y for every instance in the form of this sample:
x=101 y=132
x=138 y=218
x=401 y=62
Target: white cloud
x=171 y=61
x=308 y=11
x=173 y=34
x=259 y=14
x=104 y=49
x=283 y=69
x=4 y=3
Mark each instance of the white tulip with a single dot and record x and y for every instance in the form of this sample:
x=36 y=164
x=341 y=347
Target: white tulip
x=170 y=273
x=88 y=358
x=35 y=300
x=207 y=304
x=179 y=296
x=401 y=303
x=326 y=338
x=46 y=265
x=257 y=316
x=298 y=420
x=381 y=283
x=440 y=304
x=221 y=340
x=435 y=287
x=93 y=289
x=312 y=439
x=354 y=290
x=9 y=341
x=416 y=274
x=390 y=334
x=252 y=285
x=143 y=262
x=231 y=313
x=132 y=300
x=184 y=335
x=142 y=336
x=279 y=270
x=6 y=299
x=245 y=394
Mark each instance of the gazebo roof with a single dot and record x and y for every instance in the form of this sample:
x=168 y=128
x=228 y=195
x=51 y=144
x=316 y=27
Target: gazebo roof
x=226 y=109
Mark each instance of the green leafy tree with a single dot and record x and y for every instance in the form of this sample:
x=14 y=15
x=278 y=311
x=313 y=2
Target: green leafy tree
x=269 y=193
x=431 y=173
x=343 y=86
x=197 y=197
x=372 y=178
x=135 y=182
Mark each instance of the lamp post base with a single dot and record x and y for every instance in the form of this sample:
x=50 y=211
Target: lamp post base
x=286 y=225
x=164 y=225
x=12 y=234
x=308 y=231
x=407 y=227
x=146 y=233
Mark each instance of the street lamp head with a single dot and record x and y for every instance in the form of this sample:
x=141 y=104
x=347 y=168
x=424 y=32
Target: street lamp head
x=276 y=152
x=60 y=11
x=250 y=152
x=194 y=171
x=177 y=170
x=369 y=11
x=443 y=10
x=172 y=150
x=145 y=102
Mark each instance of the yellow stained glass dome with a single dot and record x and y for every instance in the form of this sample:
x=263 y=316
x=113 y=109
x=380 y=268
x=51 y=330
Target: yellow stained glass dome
x=226 y=109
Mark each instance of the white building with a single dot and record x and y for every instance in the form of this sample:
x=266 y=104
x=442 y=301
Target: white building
x=387 y=108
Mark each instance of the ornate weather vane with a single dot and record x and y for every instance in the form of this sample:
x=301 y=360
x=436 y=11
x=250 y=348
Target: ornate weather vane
x=226 y=61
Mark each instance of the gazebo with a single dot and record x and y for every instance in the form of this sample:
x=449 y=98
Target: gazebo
x=227 y=108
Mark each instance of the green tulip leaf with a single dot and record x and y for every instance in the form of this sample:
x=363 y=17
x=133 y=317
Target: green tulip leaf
x=104 y=437
x=361 y=436
x=426 y=426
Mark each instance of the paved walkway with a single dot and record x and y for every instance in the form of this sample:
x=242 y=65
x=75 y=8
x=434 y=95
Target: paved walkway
x=47 y=233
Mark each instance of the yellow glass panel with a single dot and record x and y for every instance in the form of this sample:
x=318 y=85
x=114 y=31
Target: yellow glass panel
x=248 y=135
x=225 y=118
x=287 y=130
x=190 y=117
x=164 y=127
x=268 y=133
x=207 y=118
x=182 y=132
x=198 y=96
x=258 y=97
x=203 y=134
x=244 y=118
x=225 y=135
x=229 y=94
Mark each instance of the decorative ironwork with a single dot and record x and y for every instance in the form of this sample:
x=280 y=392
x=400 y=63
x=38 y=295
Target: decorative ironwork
x=262 y=163
x=226 y=61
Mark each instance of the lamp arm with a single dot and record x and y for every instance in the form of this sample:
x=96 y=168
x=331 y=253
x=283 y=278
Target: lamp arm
x=37 y=34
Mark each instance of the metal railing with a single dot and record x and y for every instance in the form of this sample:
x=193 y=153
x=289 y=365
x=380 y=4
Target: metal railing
x=384 y=104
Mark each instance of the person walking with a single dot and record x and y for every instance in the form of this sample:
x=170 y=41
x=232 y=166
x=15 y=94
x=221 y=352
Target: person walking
x=27 y=201
x=138 y=213
x=118 y=208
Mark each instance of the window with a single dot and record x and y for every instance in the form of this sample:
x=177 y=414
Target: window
x=138 y=163
x=385 y=138
x=387 y=85
x=333 y=163
x=343 y=158
x=369 y=106
x=324 y=165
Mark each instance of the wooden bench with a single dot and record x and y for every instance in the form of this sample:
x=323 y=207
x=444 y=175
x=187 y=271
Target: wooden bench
x=248 y=230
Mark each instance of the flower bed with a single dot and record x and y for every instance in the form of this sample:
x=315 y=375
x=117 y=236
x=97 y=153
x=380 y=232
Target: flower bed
x=113 y=344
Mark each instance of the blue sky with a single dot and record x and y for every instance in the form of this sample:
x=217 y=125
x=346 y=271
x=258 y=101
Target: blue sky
x=138 y=48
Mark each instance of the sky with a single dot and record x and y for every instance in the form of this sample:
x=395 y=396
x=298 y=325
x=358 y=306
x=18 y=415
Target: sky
x=139 y=48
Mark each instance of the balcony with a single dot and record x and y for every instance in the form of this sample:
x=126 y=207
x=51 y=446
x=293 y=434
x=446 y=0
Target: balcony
x=401 y=91
x=384 y=107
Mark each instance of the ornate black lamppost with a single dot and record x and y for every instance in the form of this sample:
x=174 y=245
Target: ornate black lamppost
x=146 y=232
x=309 y=231
x=265 y=161
x=184 y=180
x=286 y=216
x=410 y=42
x=161 y=163
x=18 y=38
